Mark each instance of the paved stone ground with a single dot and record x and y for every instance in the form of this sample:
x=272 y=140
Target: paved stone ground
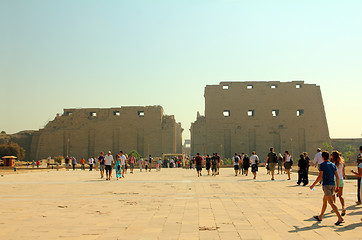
x=171 y=204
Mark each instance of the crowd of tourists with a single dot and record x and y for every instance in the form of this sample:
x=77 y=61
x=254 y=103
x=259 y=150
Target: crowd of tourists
x=119 y=164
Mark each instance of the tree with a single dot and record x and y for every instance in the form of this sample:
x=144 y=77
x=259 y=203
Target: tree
x=12 y=149
x=349 y=152
x=135 y=154
x=327 y=146
x=3 y=132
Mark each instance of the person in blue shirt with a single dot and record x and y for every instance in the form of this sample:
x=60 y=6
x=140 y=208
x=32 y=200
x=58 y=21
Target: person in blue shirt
x=327 y=171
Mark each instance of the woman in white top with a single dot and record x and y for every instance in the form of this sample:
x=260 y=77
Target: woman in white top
x=287 y=163
x=254 y=159
x=338 y=161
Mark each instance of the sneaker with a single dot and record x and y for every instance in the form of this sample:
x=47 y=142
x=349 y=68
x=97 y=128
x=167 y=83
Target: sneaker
x=343 y=212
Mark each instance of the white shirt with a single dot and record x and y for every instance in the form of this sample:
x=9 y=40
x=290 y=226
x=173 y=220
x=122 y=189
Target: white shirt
x=108 y=160
x=288 y=158
x=236 y=160
x=318 y=158
x=254 y=158
x=91 y=160
x=340 y=170
x=123 y=159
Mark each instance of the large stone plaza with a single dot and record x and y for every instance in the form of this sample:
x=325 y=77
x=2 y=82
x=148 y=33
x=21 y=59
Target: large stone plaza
x=171 y=204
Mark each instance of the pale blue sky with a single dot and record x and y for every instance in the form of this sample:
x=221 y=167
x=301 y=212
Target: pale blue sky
x=63 y=54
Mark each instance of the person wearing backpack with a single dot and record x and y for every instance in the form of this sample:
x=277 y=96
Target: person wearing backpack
x=272 y=161
x=236 y=160
x=254 y=159
x=246 y=164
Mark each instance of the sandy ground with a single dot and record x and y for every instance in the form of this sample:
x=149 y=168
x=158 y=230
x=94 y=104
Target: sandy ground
x=171 y=204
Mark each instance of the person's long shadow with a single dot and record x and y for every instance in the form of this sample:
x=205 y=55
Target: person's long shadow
x=309 y=228
x=349 y=227
x=312 y=227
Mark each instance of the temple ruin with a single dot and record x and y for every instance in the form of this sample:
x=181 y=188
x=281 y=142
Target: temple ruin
x=87 y=132
x=254 y=116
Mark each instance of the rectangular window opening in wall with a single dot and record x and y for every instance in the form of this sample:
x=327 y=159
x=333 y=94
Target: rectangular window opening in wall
x=141 y=113
x=93 y=114
x=226 y=113
x=68 y=113
x=250 y=113
x=300 y=112
x=250 y=86
x=274 y=86
x=298 y=86
x=275 y=113
x=225 y=87
x=116 y=113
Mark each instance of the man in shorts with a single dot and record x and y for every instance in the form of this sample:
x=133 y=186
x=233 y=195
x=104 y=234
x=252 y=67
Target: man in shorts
x=123 y=159
x=198 y=161
x=101 y=164
x=359 y=181
x=108 y=162
x=272 y=161
x=236 y=161
x=328 y=172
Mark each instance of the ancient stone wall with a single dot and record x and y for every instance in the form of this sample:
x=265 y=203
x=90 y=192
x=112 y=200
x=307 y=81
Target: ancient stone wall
x=254 y=116
x=87 y=132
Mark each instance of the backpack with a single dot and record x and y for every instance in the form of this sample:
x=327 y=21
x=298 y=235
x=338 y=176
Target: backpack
x=236 y=159
x=275 y=158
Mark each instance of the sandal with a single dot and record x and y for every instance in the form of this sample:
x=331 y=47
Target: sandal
x=339 y=223
x=317 y=218
x=343 y=212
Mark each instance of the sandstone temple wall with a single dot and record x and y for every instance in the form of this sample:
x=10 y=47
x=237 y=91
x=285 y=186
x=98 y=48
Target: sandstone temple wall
x=87 y=132
x=254 y=116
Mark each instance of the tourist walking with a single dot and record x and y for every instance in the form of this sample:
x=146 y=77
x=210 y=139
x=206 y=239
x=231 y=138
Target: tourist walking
x=272 y=161
x=359 y=175
x=318 y=158
x=27 y=164
x=241 y=169
x=48 y=161
x=66 y=160
x=236 y=161
x=306 y=157
x=126 y=164
x=246 y=164
x=159 y=164
x=359 y=181
x=101 y=164
x=37 y=164
x=254 y=159
x=140 y=163
x=108 y=162
x=82 y=162
x=337 y=159
x=327 y=172
x=288 y=162
x=33 y=163
x=150 y=160
x=214 y=164
x=198 y=162
x=132 y=161
x=118 y=167
x=74 y=163
x=146 y=164
x=91 y=162
x=218 y=163
x=208 y=164
x=280 y=163
x=123 y=159
x=302 y=171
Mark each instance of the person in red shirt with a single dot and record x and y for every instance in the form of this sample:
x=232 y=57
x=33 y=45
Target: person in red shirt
x=198 y=163
x=37 y=164
x=82 y=162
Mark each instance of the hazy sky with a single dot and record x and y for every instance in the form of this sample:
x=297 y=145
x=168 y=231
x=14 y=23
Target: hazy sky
x=68 y=53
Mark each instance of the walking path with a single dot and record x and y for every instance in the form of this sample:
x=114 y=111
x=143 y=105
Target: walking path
x=171 y=204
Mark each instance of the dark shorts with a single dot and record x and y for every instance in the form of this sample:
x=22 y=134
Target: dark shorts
x=236 y=167
x=198 y=167
x=246 y=167
x=207 y=166
x=287 y=165
x=108 y=168
x=254 y=167
x=131 y=165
